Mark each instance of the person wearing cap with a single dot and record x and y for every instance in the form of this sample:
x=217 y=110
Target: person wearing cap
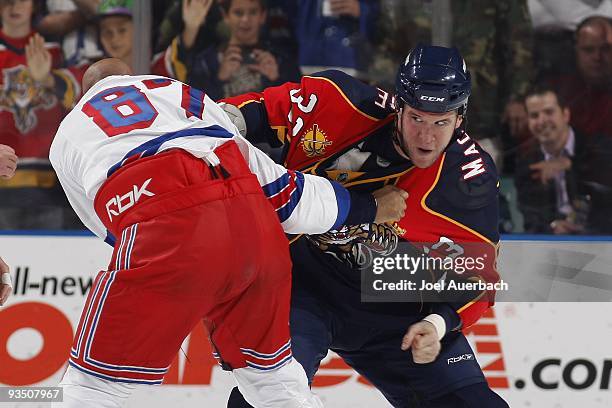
x=333 y=125
x=115 y=29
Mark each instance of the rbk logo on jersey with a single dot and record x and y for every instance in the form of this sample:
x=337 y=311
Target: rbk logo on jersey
x=464 y=357
x=121 y=203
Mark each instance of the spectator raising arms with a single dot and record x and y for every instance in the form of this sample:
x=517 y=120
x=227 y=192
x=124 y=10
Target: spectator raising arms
x=116 y=28
x=34 y=95
x=247 y=61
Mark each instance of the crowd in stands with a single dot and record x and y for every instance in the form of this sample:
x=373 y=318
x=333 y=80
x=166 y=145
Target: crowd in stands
x=541 y=100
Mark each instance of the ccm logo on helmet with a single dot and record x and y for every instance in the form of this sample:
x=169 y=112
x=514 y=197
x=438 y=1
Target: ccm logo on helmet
x=431 y=98
x=119 y=204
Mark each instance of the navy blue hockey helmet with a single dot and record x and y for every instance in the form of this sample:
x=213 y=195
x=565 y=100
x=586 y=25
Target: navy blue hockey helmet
x=434 y=79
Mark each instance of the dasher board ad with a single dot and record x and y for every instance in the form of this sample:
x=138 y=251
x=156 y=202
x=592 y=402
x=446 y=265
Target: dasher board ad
x=545 y=345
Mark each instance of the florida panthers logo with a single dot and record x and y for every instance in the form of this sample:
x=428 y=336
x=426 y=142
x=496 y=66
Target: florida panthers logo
x=314 y=142
x=20 y=96
x=354 y=245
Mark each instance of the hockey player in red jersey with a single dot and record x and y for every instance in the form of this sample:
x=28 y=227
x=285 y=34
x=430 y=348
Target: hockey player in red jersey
x=332 y=125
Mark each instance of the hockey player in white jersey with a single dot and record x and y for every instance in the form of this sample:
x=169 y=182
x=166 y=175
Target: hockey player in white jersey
x=157 y=169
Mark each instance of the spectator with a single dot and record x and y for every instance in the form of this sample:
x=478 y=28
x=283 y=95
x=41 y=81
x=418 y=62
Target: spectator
x=116 y=26
x=548 y=176
x=554 y=23
x=335 y=34
x=247 y=62
x=198 y=21
x=69 y=22
x=589 y=90
x=34 y=95
x=209 y=30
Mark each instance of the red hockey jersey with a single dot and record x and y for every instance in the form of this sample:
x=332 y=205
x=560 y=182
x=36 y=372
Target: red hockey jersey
x=333 y=125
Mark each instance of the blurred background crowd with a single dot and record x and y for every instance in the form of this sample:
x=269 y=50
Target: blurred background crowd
x=541 y=69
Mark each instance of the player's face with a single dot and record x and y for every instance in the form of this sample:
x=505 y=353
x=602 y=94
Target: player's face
x=245 y=19
x=16 y=13
x=425 y=135
x=547 y=121
x=116 y=36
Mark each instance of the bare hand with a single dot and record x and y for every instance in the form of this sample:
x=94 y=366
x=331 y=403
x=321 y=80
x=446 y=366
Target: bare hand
x=265 y=64
x=38 y=58
x=5 y=289
x=195 y=12
x=8 y=161
x=230 y=63
x=391 y=204
x=422 y=338
x=345 y=8
x=548 y=169
x=515 y=115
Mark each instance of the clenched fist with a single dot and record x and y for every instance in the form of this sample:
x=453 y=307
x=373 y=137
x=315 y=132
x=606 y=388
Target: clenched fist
x=422 y=338
x=391 y=204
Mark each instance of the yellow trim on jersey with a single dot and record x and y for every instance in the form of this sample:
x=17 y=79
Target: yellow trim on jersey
x=461 y=309
x=292 y=240
x=350 y=175
x=307 y=170
x=345 y=97
x=249 y=101
x=460 y=225
x=390 y=176
x=281 y=133
x=444 y=217
x=179 y=68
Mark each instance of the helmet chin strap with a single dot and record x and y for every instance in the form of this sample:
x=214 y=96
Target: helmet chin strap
x=398 y=138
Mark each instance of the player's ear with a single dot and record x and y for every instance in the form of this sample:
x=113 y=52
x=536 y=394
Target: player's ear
x=459 y=121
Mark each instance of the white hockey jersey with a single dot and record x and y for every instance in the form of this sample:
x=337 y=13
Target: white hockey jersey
x=122 y=118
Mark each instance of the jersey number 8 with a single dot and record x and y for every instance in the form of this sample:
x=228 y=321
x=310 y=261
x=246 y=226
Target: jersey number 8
x=122 y=109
